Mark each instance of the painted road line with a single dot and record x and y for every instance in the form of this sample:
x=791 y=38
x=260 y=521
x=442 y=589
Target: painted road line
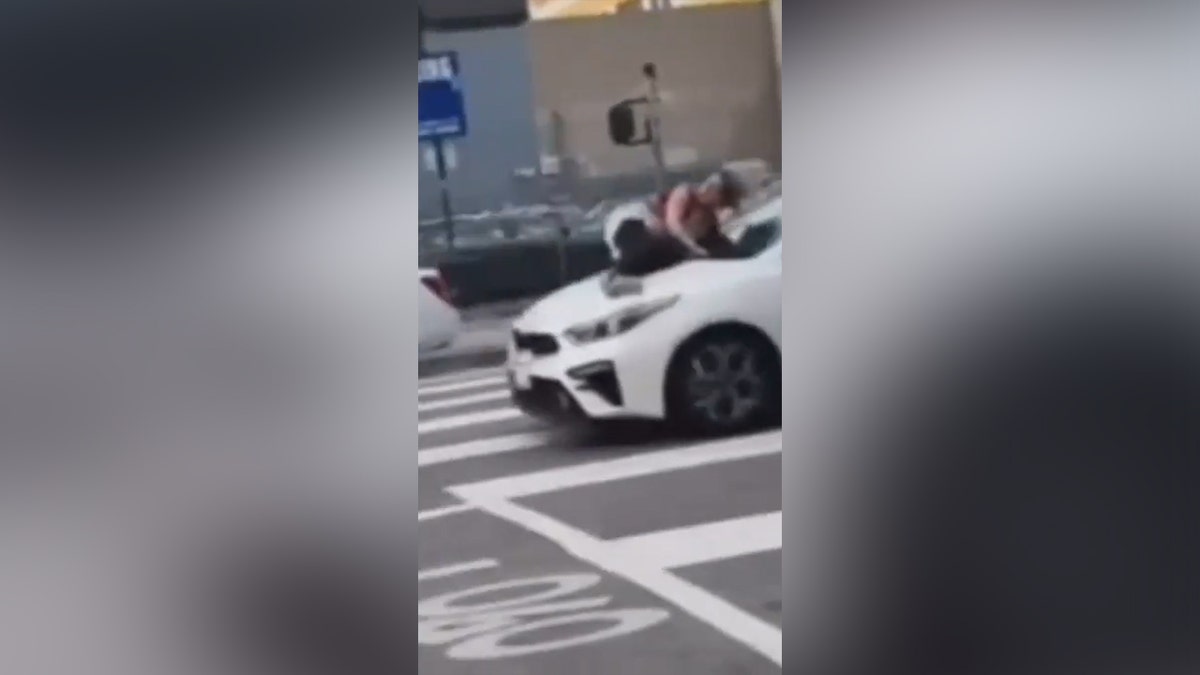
x=462 y=375
x=688 y=457
x=455 y=387
x=461 y=401
x=457 y=568
x=722 y=615
x=433 y=514
x=459 y=421
x=705 y=543
x=481 y=448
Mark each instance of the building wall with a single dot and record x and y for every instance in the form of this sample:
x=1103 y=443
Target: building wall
x=540 y=10
x=777 y=26
x=719 y=75
x=498 y=85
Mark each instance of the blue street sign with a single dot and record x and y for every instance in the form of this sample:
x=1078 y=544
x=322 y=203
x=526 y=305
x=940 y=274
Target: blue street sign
x=440 y=108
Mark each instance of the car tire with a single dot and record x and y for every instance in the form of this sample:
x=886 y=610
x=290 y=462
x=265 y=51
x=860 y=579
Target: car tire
x=724 y=381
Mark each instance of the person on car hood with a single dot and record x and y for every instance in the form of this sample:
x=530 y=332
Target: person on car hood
x=684 y=223
x=697 y=215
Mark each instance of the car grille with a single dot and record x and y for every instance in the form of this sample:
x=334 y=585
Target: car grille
x=540 y=344
x=547 y=399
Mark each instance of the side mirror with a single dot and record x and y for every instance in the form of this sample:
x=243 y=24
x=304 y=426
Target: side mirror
x=623 y=123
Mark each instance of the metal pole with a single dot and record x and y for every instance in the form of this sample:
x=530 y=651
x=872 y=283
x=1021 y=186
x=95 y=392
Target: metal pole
x=660 y=165
x=563 y=233
x=447 y=213
x=439 y=150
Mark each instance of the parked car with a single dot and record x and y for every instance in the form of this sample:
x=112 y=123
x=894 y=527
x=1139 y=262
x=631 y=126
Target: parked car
x=438 y=320
x=696 y=345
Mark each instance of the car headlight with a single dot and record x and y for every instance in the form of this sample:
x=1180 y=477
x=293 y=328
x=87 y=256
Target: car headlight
x=617 y=322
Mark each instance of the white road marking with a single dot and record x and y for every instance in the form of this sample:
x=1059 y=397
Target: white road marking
x=477 y=630
x=459 y=421
x=464 y=385
x=460 y=401
x=492 y=644
x=722 y=615
x=544 y=589
x=708 y=542
x=481 y=448
x=687 y=457
x=462 y=375
x=444 y=511
x=457 y=568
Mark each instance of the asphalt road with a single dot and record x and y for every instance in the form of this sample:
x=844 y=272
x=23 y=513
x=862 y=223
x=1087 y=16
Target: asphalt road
x=625 y=551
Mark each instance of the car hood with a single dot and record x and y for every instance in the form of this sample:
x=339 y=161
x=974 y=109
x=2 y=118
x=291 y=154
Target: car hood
x=591 y=298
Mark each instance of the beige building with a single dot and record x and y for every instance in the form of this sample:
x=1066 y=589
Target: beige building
x=543 y=10
x=777 y=25
x=719 y=73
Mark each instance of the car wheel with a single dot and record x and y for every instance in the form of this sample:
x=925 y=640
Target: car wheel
x=724 y=381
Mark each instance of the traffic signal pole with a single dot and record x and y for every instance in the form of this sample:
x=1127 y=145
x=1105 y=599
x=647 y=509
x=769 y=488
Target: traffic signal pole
x=439 y=149
x=655 y=122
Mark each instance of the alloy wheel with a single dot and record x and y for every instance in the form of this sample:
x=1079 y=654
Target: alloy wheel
x=725 y=383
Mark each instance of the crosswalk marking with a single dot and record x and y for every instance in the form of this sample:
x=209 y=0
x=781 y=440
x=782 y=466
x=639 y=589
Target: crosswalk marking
x=460 y=376
x=457 y=568
x=459 y=421
x=704 y=543
x=444 y=511
x=481 y=448
x=466 y=385
x=461 y=401
x=687 y=457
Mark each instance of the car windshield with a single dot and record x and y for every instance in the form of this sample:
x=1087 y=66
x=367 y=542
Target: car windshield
x=758 y=237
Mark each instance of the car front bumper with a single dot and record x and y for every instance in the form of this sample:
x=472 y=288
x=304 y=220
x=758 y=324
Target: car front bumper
x=618 y=378
x=547 y=399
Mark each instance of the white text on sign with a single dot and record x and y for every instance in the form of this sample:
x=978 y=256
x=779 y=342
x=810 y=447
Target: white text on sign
x=435 y=69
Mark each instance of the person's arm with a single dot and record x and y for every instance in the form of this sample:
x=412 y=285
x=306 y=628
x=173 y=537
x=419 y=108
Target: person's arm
x=675 y=214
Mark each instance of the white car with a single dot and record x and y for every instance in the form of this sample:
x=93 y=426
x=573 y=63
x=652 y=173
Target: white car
x=437 y=318
x=696 y=345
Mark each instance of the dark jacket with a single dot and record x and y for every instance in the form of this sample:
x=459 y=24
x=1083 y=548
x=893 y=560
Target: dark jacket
x=718 y=246
x=641 y=251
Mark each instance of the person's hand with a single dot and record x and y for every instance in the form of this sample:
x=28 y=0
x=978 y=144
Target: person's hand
x=679 y=232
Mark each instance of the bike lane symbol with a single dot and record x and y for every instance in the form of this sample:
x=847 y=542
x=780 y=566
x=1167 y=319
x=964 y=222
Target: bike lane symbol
x=489 y=630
